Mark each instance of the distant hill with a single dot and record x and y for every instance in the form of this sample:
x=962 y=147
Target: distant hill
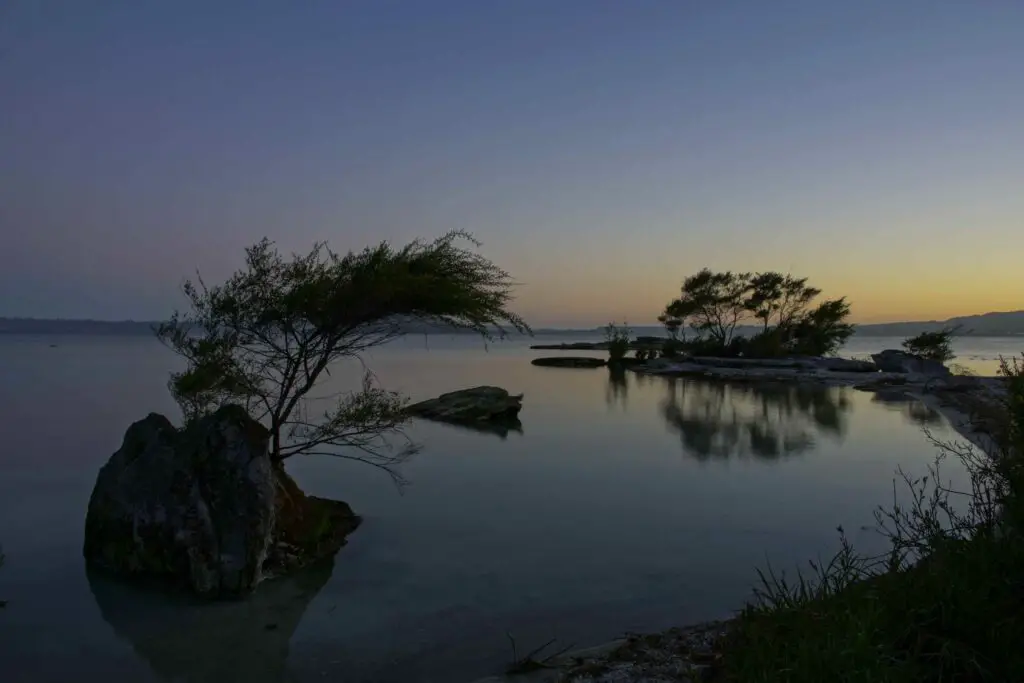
x=1009 y=323
x=97 y=327
x=145 y=327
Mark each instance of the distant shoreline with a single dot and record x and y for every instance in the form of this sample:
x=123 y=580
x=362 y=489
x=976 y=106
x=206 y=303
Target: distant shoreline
x=1010 y=324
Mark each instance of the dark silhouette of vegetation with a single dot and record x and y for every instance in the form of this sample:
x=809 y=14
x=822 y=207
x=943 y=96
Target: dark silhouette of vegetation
x=715 y=304
x=673 y=325
x=618 y=337
x=936 y=346
x=267 y=336
x=942 y=604
x=721 y=420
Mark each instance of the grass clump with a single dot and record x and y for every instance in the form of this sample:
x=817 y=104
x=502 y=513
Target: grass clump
x=945 y=603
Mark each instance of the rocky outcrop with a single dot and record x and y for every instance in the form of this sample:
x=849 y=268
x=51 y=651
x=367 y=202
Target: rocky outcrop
x=468 y=406
x=205 y=508
x=893 y=360
x=569 y=362
x=193 y=506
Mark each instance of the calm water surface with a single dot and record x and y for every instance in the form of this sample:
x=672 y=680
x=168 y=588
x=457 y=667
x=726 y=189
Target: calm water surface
x=625 y=504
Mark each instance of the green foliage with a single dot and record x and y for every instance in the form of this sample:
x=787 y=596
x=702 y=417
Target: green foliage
x=771 y=342
x=671 y=348
x=779 y=298
x=715 y=304
x=822 y=331
x=943 y=604
x=265 y=337
x=618 y=337
x=933 y=345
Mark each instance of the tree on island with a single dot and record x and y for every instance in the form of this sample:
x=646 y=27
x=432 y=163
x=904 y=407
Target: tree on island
x=936 y=346
x=714 y=304
x=618 y=337
x=266 y=337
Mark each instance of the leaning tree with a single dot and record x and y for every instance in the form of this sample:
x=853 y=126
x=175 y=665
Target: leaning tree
x=266 y=337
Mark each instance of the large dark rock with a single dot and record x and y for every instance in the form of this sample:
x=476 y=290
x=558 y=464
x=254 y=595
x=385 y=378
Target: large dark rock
x=894 y=360
x=569 y=362
x=479 y=404
x=194 y=506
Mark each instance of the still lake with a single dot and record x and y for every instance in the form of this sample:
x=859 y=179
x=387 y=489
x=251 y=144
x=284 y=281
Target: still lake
x=626 y=504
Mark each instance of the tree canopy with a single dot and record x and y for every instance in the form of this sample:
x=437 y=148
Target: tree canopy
x=266 y=336
x=936 y=345
x=715 y=304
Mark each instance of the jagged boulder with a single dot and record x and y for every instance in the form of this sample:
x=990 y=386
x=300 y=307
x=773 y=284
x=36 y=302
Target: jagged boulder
x=894 y=360
x=479 y=404
x=193 y=506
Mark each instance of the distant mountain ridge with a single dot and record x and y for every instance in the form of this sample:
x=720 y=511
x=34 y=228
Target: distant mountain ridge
x=996 y=324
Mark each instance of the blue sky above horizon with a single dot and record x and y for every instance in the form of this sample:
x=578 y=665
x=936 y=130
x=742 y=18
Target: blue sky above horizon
x=600 y=149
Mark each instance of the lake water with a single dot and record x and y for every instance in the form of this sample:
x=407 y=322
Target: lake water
x=627 y=503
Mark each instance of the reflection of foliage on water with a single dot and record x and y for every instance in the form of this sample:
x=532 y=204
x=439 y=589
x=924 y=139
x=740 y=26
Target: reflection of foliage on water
x=769 y=421
x=618 y=386
x=914 y=410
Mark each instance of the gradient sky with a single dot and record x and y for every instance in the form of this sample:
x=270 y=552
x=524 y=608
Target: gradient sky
x=601 y=149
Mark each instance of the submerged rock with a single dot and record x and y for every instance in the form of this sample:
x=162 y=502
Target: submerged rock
x=893 y=360
x=205 y=508
x=569 y=362
x=479 y=404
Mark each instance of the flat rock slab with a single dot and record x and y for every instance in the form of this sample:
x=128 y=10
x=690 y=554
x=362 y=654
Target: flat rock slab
x=569 y=362
x=478 y=404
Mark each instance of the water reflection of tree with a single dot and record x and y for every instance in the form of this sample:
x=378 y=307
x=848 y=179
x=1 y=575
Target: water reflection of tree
x=913 y=410
x=617 y=390
x=769 y=421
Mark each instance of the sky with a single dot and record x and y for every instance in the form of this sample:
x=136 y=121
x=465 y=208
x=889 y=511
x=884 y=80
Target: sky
x=601 y=150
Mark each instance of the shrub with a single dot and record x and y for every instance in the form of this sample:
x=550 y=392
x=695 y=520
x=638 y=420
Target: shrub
x=933 y=345
x=617 y=337
x=770 y=343
x=671 y=348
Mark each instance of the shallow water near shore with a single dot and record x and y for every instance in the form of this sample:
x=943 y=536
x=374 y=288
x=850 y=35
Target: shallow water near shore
x=626 y=503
